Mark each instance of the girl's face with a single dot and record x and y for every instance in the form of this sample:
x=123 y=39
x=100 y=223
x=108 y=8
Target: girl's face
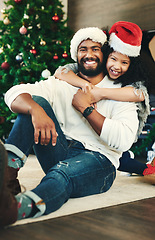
x=117 y=64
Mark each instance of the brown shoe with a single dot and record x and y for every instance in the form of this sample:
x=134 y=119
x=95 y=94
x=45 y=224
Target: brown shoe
x=13 y=182
x=8 y=203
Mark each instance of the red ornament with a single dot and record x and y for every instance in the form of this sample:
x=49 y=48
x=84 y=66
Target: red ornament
x=23 y=30
x=33 y=51
x=18 y=1
x=65 y=55
x=5 y=65
x=55 y=57
x=55 y=18
x=2 y=120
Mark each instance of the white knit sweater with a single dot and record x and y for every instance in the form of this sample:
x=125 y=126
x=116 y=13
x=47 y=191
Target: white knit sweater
x=118 y=131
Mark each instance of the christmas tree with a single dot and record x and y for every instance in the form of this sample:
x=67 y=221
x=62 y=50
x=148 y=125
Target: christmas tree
x=34 y=41
x=145 y=145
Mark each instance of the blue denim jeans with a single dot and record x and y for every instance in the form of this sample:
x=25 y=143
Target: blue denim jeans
x=71 y=170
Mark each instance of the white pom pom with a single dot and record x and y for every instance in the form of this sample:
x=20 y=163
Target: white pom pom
x=46 y=73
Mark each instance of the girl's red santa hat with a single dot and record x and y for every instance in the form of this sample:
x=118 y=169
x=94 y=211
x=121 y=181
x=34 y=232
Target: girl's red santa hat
x=126 y=38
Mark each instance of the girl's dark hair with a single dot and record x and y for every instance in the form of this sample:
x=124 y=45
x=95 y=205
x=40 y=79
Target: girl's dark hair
x=136 y=71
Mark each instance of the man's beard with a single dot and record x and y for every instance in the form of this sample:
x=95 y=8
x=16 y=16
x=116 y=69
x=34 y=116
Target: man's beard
x=90 y=72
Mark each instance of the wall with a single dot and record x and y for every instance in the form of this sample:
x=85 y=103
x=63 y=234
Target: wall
x=2 y=5
x=103 y=13
x=64 y=2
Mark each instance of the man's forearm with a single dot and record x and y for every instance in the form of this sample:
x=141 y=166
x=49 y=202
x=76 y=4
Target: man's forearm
x=44 y=126
x=23 y=104
x=82 y=101
x=96 y=120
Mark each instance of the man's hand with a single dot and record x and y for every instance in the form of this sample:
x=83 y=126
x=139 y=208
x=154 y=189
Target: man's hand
x=82 y=100
x=44 y=127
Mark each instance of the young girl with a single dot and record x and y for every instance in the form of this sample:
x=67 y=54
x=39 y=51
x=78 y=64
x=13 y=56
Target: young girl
x=122 y=65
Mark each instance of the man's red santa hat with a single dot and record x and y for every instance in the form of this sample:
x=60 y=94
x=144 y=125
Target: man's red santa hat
x=126 y=37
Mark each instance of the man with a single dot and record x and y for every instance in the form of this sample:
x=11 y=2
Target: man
x=77 y=145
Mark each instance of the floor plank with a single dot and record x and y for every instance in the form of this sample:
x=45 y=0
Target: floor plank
x=132 y=221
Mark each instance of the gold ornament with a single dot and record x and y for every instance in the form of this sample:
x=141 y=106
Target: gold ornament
x=6 y=21
x=42 y=42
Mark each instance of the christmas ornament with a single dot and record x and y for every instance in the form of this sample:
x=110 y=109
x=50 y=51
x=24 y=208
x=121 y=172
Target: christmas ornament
x=55 y=57
x=2 y=119
x=55 y=18
x=65 y=55
x=19 y=58
x=6 y=21
x=5 y=65
x=33 y=51
x=18 y=1
x=46 y=73
x=42 y=43
x=23 y=30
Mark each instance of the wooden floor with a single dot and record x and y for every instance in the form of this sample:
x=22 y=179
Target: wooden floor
x=132 y=221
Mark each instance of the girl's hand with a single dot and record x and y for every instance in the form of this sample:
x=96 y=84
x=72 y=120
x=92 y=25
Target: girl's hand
x=86 y=86
x=58 y=73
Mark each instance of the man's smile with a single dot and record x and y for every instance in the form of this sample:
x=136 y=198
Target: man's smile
x=90 y=62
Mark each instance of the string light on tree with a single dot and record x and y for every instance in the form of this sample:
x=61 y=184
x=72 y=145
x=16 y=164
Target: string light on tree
x=1 y=50
x=26 y=16
x=3 y=12
x=59 y=42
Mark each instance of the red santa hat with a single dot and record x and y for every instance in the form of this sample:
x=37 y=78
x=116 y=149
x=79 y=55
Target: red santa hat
x=93 y=33
x=126 y=37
